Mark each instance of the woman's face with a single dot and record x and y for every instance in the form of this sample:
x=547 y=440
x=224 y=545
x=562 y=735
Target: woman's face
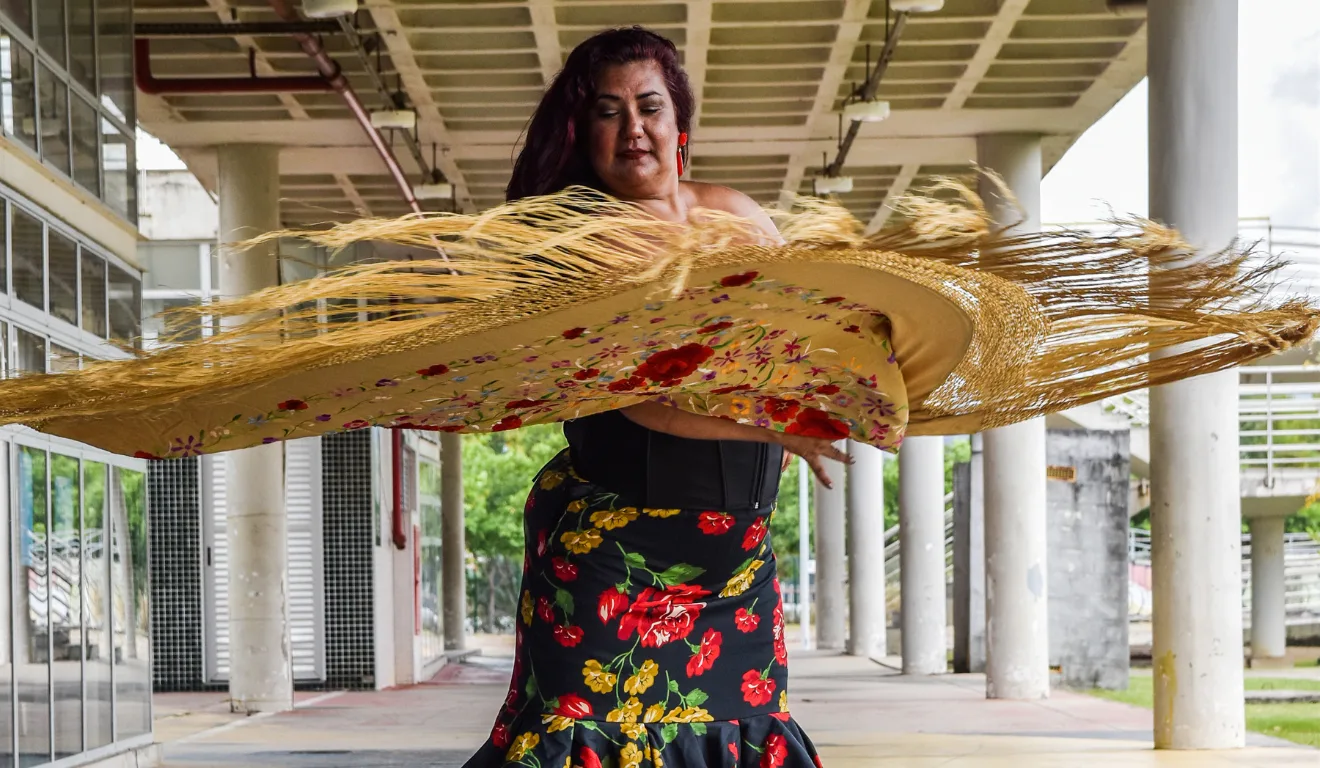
x=633 y=131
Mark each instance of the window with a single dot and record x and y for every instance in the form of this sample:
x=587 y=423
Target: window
x=93 y=294
x=67 y=626
x=63 y=359
x=29 y=352
x=114 y=54
x=4 y=248
x=117 y=164
x=125 y=307
x=33 y=578
x=63 y=261
x=82 y=43
x=19 y=12
x=86 y=162
x=50 y=29
x=128 y=524
x=29 y=266
x=96 y=574
x=54 y=120
x=18 y=91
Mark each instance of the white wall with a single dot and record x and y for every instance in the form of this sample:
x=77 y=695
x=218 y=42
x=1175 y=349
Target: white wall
x=172 y=205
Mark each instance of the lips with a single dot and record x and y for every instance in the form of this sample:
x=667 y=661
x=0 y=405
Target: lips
x=633 y=154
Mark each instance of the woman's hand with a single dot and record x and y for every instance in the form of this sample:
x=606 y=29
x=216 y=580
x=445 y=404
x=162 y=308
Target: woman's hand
x=814 y=450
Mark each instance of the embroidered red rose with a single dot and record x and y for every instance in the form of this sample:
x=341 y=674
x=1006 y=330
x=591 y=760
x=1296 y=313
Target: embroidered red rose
x=662 y=616
x=626 y=385
x=612 y=603
x=757 y=690
x=450 y=428
x=588 y=757
x=731 y=390
x=545 y=610
x=572 y=705
x=500 y=736
x=357 y=424
x=716 y=327
x=435 y=370
x=564 y=570
x=706 y=653
x=781 y=411
x=735 y=281
x=589 y=373
x=292 y=405
x=832 y=300
x=715 y=523
x=568 y=636
x=674 y=364
x=853 y=329
x=827 y=389
x=522 y=404
x=775 y=751
x=755 y=534
x=512 y=421
x=574 y=333
x=746 y=621
x=145 y=455
x=812 y=422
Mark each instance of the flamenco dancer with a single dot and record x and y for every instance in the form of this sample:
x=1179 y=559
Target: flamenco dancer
x=651 y=629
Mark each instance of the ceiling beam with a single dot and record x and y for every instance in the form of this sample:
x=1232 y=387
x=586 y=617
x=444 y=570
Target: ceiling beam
x=694 y=56
x=351 y=192
x=986 y=53
x=546 y=31
x=896 y=191
x=227 y=12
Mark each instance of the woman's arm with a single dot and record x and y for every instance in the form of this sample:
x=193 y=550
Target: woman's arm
x=680 y=423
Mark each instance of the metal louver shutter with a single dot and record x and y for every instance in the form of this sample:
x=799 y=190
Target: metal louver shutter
x=215 y=543
x=302 y=504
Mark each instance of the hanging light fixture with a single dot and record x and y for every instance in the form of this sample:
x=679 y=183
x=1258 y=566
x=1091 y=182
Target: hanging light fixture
x=833 y=185
x=916 y=6
x=866 y=111
x=329 y=9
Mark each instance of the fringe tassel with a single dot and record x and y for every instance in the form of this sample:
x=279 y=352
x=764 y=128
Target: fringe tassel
x=1096 y=315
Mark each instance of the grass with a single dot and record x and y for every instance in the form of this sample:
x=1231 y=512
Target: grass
x=1308 y=663
x=1298 y=723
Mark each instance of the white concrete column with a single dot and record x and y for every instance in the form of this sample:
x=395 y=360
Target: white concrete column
x=1269 y=629
x=921 y=556
x=453 y=547
x=866 y=551
x=261 y=672
x=1195 y=509
x=1017 y=626
x=831 y=572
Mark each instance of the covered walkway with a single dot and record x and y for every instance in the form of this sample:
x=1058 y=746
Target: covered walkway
x=858 y=712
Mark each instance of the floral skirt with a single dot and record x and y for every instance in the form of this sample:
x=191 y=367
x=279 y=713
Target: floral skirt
x=645 y=637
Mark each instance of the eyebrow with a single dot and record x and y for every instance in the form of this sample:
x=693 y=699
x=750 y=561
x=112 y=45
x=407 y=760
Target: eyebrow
x=612 y=97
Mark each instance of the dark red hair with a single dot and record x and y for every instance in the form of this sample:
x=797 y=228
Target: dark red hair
x=553 y=156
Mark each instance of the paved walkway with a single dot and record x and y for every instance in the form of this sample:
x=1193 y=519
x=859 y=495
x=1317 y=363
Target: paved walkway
x=858 y=713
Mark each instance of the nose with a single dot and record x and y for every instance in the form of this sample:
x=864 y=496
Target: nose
x=632 y=127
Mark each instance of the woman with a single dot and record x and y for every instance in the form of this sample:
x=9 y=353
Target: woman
x=651 y=630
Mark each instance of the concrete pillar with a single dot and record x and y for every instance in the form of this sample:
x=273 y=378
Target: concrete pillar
x=261 y=671
x=1016 y=610
x=1195 y=509
x=969 y=563
x=453 y=548
x=921 y=555
x=866 y=547
x=1269 y=629
x=831 y=572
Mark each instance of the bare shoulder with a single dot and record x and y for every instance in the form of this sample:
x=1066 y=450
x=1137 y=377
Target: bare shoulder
x=721 y=198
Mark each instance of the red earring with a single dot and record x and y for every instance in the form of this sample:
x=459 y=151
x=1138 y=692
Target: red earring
x=682 y=153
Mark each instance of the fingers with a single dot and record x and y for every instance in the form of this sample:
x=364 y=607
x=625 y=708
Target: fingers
x=819 y=470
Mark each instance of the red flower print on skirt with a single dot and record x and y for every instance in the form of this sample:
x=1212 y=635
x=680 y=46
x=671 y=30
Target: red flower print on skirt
x=746 y=621
x=755 y=534
x=545 y=610
x=812 y=422
x=777 y=630
x=662 y=616
x=564 y=570
x=612 y=603
x=775 y=751
x=568 y=636
x=715 y=523
x=757 y=690
x=500 y=736
x=675 y=364
x=588 y=758
x=706 y=654
x=572 y=705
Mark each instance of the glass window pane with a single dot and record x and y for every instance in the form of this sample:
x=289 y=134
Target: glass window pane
x=82 y=46
x=93 y=294
x=32 y=649
x=117 y=171
x=28 y=264
x=6 y=372
x=18 y=91
x=54 y=120
x=115 y=57
x=4 y=248
x=128 y=511
x=125 y=306
x=50 y=28
x=19 y=12
x=96 y=603
x=29 y=352
x=6 y=616
x=86 y=163
x=158 y=329
x=63 y=263
x=63 y=359
x=66 y=603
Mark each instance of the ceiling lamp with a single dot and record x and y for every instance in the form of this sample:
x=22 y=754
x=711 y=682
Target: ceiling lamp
x=866 y=111
x=440 y=190
x=329 y=9
x=916 y=6
x=833 y=185
x=398 y=119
